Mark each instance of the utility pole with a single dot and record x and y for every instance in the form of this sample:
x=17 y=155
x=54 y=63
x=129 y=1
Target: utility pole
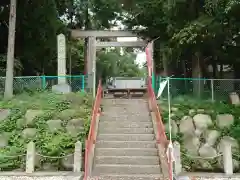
x=10 y=53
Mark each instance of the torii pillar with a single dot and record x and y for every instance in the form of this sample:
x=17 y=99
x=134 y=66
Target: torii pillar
x=91 y=64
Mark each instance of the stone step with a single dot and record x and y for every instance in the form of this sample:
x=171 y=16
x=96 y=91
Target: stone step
x=129 y=177
x=126 y=152
x=126 y=169
x=126 y=137
x=130 y=160
x=126 y=144
x=125 y=124
x=134 y=118
x=127 y=130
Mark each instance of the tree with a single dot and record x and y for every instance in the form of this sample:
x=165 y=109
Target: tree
x=10 y=54
x=117 y=64
x=193 y=34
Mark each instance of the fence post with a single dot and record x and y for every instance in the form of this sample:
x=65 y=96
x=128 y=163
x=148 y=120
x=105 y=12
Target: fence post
x=30 y=158
x=212 y=90
x=83 y=82
x=227 y=158
x=43 y=82
x=77 y=165
x=177 y=156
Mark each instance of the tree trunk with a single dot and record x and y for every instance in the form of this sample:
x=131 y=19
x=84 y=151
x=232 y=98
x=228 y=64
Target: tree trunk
x=197 y=74
x=10 y=54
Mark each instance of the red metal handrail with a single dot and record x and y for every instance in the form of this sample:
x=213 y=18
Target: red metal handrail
x=91 y=135
x=161 y=134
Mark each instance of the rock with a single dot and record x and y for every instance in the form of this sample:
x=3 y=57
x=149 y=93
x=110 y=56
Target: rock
x=67 y=114
x=76 y=122
x=29 y=133
x=74 y=99
x=74 y=127
x=186 y=126
x=211 y=137
x=62 y=89
x=229 y=140
x=205 y=164
x=202 y=121
x=18 y=170
x=4 y=113
x=20 y=123
x=67 y=162
x=54 y=125
x=200 y=110
x=172 y=115
x=236 y=164
x=198 y=132
x=175 y=118
x=174 y=109
x=3 y=141
x=224 y=120
x=174 y=127
x=7 y=135
x=234 y=98
x=206 y=151
x=192 y=112
x=48 y=167
x=191 y=144
x=31 y=115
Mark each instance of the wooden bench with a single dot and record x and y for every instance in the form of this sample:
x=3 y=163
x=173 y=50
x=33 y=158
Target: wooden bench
x=126 y=91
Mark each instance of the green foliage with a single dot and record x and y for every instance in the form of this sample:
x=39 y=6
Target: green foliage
x=55 y=144
x=17 y=65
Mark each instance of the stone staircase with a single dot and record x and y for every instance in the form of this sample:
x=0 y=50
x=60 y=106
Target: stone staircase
x=126 y=147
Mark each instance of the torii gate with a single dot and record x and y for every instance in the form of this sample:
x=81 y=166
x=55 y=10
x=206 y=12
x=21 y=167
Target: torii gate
x=93 y=45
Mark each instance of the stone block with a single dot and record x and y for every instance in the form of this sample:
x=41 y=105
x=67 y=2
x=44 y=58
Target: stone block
x=62 y=89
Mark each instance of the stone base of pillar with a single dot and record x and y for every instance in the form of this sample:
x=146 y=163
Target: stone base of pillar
x=61 y=88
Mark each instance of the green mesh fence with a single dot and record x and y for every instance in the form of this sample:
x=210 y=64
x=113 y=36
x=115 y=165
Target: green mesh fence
x=207 y=89
x=33 y=83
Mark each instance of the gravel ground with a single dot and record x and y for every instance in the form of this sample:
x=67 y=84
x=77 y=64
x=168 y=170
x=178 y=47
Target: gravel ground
x=39 y=178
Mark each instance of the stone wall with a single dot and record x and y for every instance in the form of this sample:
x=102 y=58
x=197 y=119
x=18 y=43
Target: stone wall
x=202 y=134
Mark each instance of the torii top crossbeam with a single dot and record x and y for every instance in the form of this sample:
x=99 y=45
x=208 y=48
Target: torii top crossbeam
x=76 y=33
